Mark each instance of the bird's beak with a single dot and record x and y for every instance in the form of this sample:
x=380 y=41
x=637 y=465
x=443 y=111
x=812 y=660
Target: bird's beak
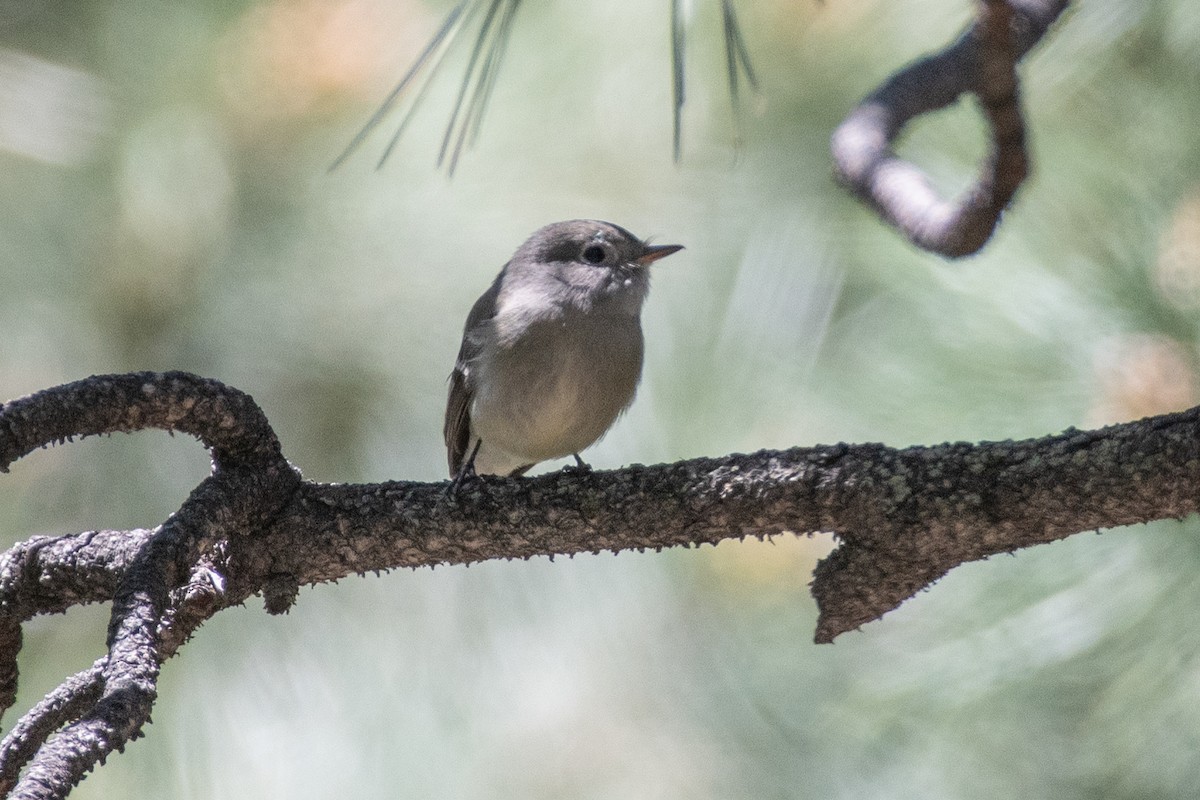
x=654 y=252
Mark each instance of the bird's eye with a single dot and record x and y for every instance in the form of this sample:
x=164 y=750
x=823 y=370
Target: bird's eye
x=594 y=254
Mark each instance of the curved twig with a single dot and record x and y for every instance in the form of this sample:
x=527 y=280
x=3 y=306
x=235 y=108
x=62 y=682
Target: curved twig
x=225 y=420
x=981 y=62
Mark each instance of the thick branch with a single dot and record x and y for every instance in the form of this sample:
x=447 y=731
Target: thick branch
x=982 y=62
x=903 y=517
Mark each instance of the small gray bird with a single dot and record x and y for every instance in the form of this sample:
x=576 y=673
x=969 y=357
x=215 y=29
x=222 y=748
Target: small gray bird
x=551 y=353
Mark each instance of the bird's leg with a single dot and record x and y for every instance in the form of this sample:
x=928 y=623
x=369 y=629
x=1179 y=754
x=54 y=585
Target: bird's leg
x=581 y=467
x=465 y=472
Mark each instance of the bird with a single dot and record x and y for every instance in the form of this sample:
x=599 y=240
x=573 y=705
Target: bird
x=552 y=352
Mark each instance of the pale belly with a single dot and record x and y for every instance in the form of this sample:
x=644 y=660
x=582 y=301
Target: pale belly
x=555 y=392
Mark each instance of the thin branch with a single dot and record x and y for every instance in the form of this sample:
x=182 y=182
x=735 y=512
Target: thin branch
x=81 y=694
x=66 y=703
x=10 y=646
x=30 y=584
x=102 y=708
x=981 y=62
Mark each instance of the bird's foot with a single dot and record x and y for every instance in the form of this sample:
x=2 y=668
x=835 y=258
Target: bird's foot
x=580 y=467
x=463 y=478
x=466 y=473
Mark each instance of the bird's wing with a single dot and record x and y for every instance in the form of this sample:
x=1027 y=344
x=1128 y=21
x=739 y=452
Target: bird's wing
x=457 y=428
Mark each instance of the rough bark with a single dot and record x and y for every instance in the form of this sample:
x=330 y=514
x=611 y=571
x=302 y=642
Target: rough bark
x=902 y=518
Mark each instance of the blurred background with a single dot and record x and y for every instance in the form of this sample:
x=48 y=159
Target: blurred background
x=165 y=203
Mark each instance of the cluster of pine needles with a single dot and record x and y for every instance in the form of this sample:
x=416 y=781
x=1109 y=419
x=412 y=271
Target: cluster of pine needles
x=492 y=21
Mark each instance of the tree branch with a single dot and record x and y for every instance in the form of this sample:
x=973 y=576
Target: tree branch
x=71 y=700
x=903 y=518
x=982 y=62
x=249 y=483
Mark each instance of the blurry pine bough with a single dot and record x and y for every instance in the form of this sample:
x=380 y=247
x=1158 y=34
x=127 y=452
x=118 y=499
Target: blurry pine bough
x=493 y=21
x=982 y=62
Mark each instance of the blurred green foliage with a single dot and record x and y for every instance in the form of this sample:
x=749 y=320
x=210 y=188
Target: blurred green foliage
x=165 y=204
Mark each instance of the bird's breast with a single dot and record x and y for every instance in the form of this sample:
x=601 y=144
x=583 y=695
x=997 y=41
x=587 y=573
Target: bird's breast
x=556 y=387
